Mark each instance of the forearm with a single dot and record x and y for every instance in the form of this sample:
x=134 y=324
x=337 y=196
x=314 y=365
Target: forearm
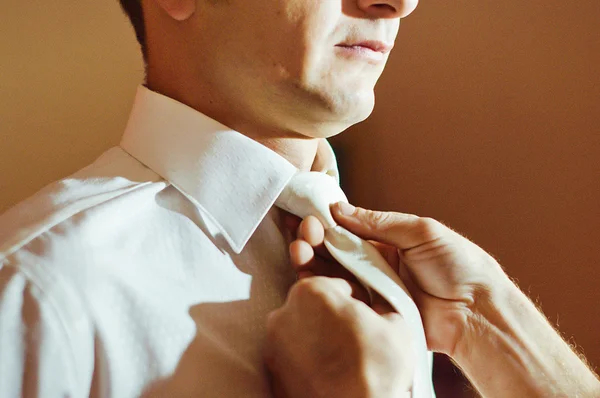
x=510 y=350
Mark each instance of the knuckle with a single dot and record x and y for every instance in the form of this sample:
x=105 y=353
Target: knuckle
x=314 y=287
x=377 y=218
x=429 y=229
x=318 y=290
x=353 y=314
x=395 y=319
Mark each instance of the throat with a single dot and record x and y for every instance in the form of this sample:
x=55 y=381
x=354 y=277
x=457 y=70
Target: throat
x=301 y=152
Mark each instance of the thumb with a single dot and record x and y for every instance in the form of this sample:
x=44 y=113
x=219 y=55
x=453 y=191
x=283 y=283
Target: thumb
x=404 y=231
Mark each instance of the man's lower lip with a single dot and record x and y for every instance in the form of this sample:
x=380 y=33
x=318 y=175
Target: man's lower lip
x=361 y=52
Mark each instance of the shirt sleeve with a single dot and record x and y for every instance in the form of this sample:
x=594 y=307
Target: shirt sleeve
x=36 y=358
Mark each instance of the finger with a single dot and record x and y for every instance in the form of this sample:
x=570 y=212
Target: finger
x=325 y=286
x=318 y=266
x=304 y=260
x=312 y=231
x=404 y=231
x=358 y=291
x=301 y=255
x=344 y=287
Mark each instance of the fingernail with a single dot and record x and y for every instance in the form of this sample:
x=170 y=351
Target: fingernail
x=346 y=209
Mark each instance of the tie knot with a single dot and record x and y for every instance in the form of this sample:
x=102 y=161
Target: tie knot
x=311 y=194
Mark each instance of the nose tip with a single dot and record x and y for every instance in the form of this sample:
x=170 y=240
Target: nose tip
x=388 y=8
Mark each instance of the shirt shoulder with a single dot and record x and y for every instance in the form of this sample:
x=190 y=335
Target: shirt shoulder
x=115 y=173
x=78 y=249
x=44 y=244
x=35 y=337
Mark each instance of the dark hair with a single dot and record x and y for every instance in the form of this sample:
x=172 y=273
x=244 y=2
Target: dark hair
x=133 y=9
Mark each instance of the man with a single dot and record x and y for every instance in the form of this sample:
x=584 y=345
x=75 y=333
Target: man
x=151 y=272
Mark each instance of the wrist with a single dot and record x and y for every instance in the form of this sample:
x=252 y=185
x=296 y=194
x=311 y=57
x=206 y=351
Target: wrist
x=508 y=346
x=492 y=351
x=487 y=314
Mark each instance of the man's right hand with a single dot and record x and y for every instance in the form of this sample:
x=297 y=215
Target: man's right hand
x=447 y=275
x=470 y=308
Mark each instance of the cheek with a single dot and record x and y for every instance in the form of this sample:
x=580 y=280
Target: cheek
x=320 y=35
x=302 y=36
x=279 y=47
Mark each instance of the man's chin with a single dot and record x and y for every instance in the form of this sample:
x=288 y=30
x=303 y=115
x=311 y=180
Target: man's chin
x=334 y=126
x=332 y=114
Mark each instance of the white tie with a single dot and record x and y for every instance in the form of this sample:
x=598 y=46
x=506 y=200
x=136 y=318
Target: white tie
x=312 y=193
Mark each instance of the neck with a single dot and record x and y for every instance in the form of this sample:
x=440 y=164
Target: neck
x=301 y=152
x=298 y=149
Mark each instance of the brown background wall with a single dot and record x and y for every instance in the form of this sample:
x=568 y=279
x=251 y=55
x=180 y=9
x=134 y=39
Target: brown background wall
x=487 y=118
x=68 y=72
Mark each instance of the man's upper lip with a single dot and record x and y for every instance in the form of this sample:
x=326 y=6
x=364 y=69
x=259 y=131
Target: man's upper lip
x=374 y=45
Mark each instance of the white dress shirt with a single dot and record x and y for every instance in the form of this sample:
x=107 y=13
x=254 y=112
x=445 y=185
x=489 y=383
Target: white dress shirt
x=149 y=272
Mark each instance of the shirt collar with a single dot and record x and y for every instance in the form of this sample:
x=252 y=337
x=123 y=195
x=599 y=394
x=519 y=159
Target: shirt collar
x=233 y=179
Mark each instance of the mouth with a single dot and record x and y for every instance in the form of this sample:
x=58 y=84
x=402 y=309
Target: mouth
x=371 y=50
